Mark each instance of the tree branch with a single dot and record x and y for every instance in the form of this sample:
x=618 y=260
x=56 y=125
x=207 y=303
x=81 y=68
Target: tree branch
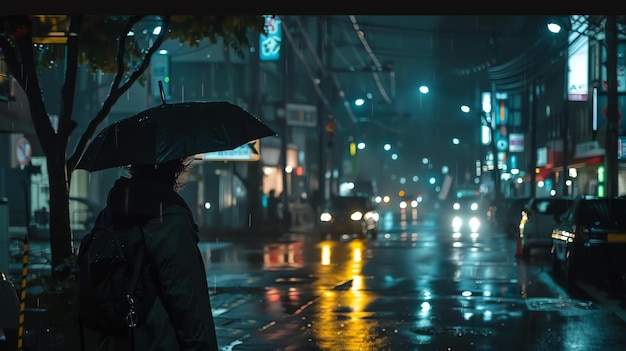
x=116 y=90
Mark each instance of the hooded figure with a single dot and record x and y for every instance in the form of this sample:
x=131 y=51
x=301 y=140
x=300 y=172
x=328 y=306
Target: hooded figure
x=181 y=317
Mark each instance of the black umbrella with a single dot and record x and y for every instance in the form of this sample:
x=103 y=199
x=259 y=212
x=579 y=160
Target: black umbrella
x=172 y=131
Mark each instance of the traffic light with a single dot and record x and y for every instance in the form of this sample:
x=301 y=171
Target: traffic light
x=330 y=134
x=352 y=149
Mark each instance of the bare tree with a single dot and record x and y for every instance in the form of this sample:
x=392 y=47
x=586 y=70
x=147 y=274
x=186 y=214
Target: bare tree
x=102 y=43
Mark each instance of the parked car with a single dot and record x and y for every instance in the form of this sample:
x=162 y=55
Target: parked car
x=591 y=237
x=539 y=217
x=349 y=217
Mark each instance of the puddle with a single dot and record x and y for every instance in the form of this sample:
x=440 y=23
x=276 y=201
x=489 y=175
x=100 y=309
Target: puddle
x=565 y=306
x=455 y=331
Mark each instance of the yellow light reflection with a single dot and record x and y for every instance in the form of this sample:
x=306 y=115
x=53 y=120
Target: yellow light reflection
x=356 y=254
x=357 y=282
x=344 y=320
x=325 y=254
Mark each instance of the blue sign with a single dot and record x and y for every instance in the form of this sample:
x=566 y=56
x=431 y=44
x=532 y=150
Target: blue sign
x=269 y=45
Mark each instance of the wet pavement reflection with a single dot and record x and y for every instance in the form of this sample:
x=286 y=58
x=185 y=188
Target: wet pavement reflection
x=417 y=287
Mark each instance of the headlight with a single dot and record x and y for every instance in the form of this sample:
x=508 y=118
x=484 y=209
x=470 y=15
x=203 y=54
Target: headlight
x=456 y=206
x=474 y=206
x=372 y=215
x=325 y=217
x=414 y=203
x=457 y=222
x=474 y=223
x=402 y=204
x=356 y=216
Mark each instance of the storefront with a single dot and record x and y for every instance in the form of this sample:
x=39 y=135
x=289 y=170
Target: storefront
x=587 y=159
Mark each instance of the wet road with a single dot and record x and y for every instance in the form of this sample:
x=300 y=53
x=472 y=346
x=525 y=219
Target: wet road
x=417 y=287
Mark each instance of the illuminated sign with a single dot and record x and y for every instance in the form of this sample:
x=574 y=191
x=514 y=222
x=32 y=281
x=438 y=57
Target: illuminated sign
x=578 y=64
x=516 y=142
x=269 y=45
x=246 y=152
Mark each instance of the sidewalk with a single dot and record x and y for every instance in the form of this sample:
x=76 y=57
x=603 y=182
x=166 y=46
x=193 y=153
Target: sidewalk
x=39 y=254
x=223 y=297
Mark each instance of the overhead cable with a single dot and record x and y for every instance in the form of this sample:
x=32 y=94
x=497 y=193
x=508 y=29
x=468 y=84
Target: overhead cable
x=369 y=51
x=314 y=79
x=322 y=68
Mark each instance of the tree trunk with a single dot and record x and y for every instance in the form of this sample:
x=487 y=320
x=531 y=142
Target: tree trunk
x=20 y=58
x=61 y=239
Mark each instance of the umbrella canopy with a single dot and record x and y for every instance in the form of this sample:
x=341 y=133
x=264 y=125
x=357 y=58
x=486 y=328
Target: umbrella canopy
x=172 y=131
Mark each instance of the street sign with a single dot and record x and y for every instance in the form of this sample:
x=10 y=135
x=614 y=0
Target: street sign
x=301 y=115
x=23 y=151
x=246 y=152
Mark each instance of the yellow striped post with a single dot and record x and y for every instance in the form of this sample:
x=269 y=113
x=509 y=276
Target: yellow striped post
x=20 y=331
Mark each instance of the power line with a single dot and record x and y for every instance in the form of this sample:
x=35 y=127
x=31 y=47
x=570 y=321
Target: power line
x=361 y=35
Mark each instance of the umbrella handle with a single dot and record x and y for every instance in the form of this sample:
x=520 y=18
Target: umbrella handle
x=162 y=92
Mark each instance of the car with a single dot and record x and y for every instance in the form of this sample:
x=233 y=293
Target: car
x=539 y=217
x=349 y=217
x=465 y=214
x=591 y=237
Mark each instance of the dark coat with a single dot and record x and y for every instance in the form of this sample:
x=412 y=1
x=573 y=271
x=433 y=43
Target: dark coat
x=181 y=317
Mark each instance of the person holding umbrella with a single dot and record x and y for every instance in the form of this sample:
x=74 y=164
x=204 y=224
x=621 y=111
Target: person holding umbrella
x=157 y=146
x=181 y=317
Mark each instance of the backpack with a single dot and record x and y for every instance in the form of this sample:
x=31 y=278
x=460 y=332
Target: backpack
x=113 y=298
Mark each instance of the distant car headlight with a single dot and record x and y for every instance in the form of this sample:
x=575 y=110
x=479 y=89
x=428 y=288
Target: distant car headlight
x=402 y=204
x=474 y=223
x=456 y=206
x=414 y=203
x=325 y=217
x=356 y=216
x=457 y=222
x=474 y=206
x=372 y=215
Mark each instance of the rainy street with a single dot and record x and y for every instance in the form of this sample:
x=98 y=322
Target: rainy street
x=370 y=181
x=416 y=287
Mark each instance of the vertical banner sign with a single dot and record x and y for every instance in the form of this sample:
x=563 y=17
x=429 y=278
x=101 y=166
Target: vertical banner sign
x=486 y=121
x=578 y=62
x=269 y=49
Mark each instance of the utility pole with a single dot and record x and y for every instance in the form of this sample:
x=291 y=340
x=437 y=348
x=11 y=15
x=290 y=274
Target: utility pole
x=324 y=54
x=565 y=138
x=494 y=150
x=612 y=112
x=533 y=139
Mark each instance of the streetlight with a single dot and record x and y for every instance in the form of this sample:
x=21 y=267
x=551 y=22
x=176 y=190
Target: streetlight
x=554 y=27
x=423 y=89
